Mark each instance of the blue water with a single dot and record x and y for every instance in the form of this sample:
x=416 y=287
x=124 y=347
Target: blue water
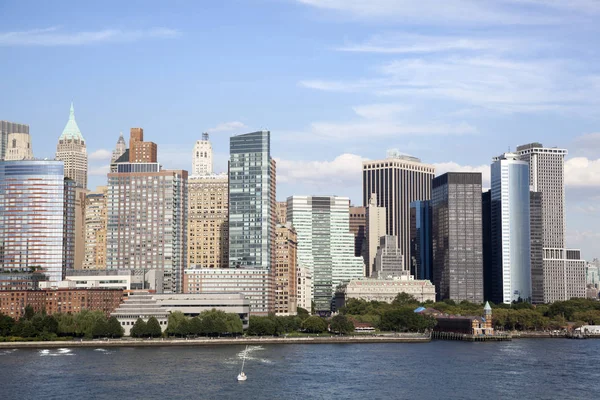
x=521 y=369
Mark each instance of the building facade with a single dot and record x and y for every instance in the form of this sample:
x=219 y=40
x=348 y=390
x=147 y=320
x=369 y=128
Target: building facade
x=286 y=270
x=375 y=230
x=536 y=227
x=208 y=221
x=397 y=181
x=71 y=150
x=13 y=302
x=325 y=244
x=140 y=305
x=147 y=221
x=18 y=147
x=281 y=211
x=547 y=177
x=139 y=150
x=252 y=201
x=119 y=150
x=202 y=158
x=358 y=222
x=389 y=261
x=304 y=288
x=510 y=228
x=7 y=128
x=421 y=250
x=386 y=290
x=33 y=218
x=96 y=219
x=256 y=284
x=457 y=236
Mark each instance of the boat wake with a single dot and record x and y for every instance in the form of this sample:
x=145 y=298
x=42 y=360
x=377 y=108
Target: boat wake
x=55 y=353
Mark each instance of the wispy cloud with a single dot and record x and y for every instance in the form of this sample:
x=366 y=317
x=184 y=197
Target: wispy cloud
x=56 y=36
x=227 y=126
x=99 y=171
x=451 y=166
x=340 y=172
x=582 y=172
x=100 y=155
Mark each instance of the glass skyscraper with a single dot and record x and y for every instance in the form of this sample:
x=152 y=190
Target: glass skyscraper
x=35 y=216
x=456 y=236
x=325 y=244
x=420 y=240
x=252 y=216
x=510 y=229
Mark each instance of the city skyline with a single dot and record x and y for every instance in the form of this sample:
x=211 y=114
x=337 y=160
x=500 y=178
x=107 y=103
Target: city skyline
x=543 y=90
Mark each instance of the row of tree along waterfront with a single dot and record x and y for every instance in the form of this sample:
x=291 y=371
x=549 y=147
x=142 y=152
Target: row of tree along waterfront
x=399 y=316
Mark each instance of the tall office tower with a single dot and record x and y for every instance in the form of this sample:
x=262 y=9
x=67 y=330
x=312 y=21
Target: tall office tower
x=140 y=151
x=202 y=161
x=281 y=211
x=147 y=217
x=376 y=228
x=304 y=288
x=547 y=176
x=536 y=227
x=511 y=235
x=18 y=147
x=252 y=202
x=208 y=221
x=486 y=229
x=456 y=236
x=96 y=219
x=397 y=181
x=72 y=151
x=70 y=194
x=358 y=222
x=6 y=128
x=389 y=261
x=286 y=270
x=34 y=216
x=421 y=250
x=325 y=244
x=119 y=150
x=79 y=227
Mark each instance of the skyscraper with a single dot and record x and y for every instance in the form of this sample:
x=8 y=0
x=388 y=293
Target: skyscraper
x=421 y=251
x=96 y=219
x=456 y=236
x=147 y=216
x=547 y=176
x=18 y=147
x=251 y=201
x=35 y=217
x=119 y=150
x=281 y=211
x=208 y=221
x=510 y=228
x=139 y=150
x=389 y=261
x=202 y=161
x=286 y=298
x=71 y=150
x=325 y=244
x=536 y=227
x=397 y=181
x=6 y=128
x=376 y=228
x=358 y=222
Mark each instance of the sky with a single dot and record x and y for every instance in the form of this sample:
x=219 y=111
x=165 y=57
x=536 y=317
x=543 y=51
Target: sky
x=454 y=83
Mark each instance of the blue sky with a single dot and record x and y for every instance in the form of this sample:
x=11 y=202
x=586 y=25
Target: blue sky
x=336 y=81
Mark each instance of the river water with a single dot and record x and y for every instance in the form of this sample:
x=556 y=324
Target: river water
x=521 y=369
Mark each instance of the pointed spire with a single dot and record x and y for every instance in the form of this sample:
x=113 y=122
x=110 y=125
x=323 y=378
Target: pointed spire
x=71 y=130
x=487 y=306
x=72 y=112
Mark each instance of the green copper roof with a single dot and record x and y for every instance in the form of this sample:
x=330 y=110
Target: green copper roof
x=71 y=130
x=487 y=306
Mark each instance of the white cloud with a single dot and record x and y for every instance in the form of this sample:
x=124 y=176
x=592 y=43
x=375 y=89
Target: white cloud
x=99 y=171
x=451 y=166
x=54 y=36
x=380 y=111
x=582 y=172
x=100 y=155
x=227 y=126
x=344 y=170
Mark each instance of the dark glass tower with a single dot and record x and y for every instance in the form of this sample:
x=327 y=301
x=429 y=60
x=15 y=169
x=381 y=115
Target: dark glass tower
x=420 y=240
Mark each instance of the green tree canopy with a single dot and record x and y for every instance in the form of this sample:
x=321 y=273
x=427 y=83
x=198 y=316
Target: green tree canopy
x=341 y=324
x=139 y=329
x=314 y=324
x=153 y=328
x=115 y=330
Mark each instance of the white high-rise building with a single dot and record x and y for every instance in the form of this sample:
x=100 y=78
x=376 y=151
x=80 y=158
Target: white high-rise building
x=202 y=162
x=374 y=231
x=71 y=150
x=119 y=150
x=511 y=238
x=325 y=243
x=563 y=270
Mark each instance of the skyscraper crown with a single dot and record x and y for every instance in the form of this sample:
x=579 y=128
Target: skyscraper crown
x=71 y=130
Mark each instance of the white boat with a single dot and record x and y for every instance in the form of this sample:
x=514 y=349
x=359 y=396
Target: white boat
x=242 y=376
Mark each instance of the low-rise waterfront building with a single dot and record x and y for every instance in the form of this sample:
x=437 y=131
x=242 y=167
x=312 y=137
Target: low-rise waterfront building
x=124 y=279
x=140 y=305
x=386 y=290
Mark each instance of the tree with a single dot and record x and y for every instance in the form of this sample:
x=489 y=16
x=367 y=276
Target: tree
x=175 y=319
x=29 y=313
x=6 y=325
x=261 y=326
x=341 y=324
x=100 y=328
x=314 y=324
x=403 y=299
x=115 y=330
x=234 y=324
x=302 y=313
x=50 y=324
x=153 y=328
x=214 y=322
x=138 y=329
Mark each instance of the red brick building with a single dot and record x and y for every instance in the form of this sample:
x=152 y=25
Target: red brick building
x=13 y=302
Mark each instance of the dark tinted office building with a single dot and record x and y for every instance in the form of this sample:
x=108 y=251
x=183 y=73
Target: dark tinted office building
x=457 y=236
x=420 y=240
x=486 y=225
x=537 y=246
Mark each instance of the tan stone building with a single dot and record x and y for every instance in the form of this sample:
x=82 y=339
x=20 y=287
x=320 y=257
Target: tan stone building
x=80 y=201
x=286 y=292
x=358 y=221
x=18 y=147
x=281 y=210
x=71 y=150
x=95 y=229
x=208 y=221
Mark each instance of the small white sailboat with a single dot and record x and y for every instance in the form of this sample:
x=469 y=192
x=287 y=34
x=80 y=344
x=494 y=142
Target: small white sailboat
x=242 y=376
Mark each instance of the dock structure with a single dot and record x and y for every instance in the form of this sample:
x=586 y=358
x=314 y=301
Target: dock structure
x=465 y=337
